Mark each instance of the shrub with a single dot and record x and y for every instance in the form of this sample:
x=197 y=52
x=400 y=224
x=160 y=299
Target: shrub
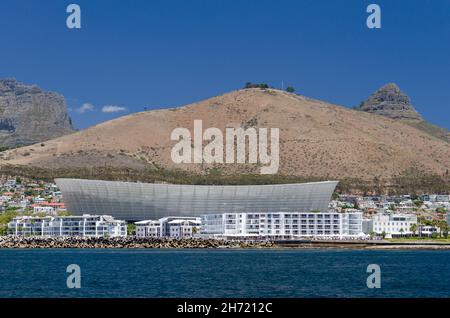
x=290 y=89
x=256 y=85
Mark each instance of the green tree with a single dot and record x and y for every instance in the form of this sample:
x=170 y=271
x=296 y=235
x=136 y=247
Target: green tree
x=131 y=229
x=420 y=221
x=413 y=229
x=418 y=203
x=5 y=218
x=435 y=223
x=290 y=89
x=441 y=210
x=443 y=227
x=445 y=230
x=64 y=213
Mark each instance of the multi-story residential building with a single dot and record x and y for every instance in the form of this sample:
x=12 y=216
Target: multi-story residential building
x=435 y=197
x=168 y=227
x=367 y=226
x=148 y=228
x=394 y=224
x=184 y=228
x=84 y=226
x=283 y=224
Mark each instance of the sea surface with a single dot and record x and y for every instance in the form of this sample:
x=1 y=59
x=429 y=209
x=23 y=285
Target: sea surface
x=223 y=273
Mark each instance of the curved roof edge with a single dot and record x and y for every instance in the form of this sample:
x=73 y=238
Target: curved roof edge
x=202 y=185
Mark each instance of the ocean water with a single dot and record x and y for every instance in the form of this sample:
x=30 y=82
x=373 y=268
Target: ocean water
x=223 y=273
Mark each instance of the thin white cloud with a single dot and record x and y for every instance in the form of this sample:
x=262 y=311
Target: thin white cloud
x=86 y=107
x=113 y=109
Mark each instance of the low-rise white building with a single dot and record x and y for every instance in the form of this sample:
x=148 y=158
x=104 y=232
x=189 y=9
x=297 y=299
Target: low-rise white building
x=283 y=224
x=436 y=197
x=148 y=228
x=394 y=224
x=168 y=227
x=184 y=228
x=84 y=226
x=49 y=210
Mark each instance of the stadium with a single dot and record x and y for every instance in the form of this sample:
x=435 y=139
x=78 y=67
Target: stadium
x=132 y=201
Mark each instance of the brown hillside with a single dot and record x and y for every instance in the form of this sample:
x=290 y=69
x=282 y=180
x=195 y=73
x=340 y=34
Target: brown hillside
x=317 y=139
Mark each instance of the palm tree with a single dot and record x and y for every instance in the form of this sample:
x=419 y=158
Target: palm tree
x=413 y=229
x=443 y=227
x=420 y=222
x=401 y=232
x=435 y=224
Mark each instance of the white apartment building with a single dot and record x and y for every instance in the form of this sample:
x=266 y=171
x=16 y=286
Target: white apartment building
x=436 y=198
x=148 y=228
x=369 y=204
x=394 y=224
x=49 y=210
x=84 y=226
x=184 y=228
x=283 y=224
x=168 y=227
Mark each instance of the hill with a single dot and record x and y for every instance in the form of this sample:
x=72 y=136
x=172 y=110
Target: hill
x=318 y=141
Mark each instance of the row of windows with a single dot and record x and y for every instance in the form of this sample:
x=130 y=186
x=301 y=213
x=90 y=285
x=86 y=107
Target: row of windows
x=286 y=216
x=296 y=232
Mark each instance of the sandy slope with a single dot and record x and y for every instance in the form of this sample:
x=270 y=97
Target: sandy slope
x=316 y=138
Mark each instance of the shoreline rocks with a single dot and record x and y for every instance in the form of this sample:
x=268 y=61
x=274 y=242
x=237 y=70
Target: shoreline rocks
x=126 y=242
x=131 y=242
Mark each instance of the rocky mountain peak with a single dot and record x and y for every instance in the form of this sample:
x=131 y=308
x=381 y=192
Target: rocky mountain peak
x=390 y=101
x=12 y=86
x=29 y=114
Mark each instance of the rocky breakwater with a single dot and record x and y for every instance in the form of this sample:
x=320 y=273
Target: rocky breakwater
x=125 y=242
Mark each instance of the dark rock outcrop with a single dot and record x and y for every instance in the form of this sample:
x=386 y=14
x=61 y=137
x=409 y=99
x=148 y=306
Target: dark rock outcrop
x=390 y=101
x=29 y=115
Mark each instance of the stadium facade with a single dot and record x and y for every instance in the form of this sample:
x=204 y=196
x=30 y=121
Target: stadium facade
x=134 y=201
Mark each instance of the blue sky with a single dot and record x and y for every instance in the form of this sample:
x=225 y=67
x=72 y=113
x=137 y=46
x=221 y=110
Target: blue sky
x=154 y=54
